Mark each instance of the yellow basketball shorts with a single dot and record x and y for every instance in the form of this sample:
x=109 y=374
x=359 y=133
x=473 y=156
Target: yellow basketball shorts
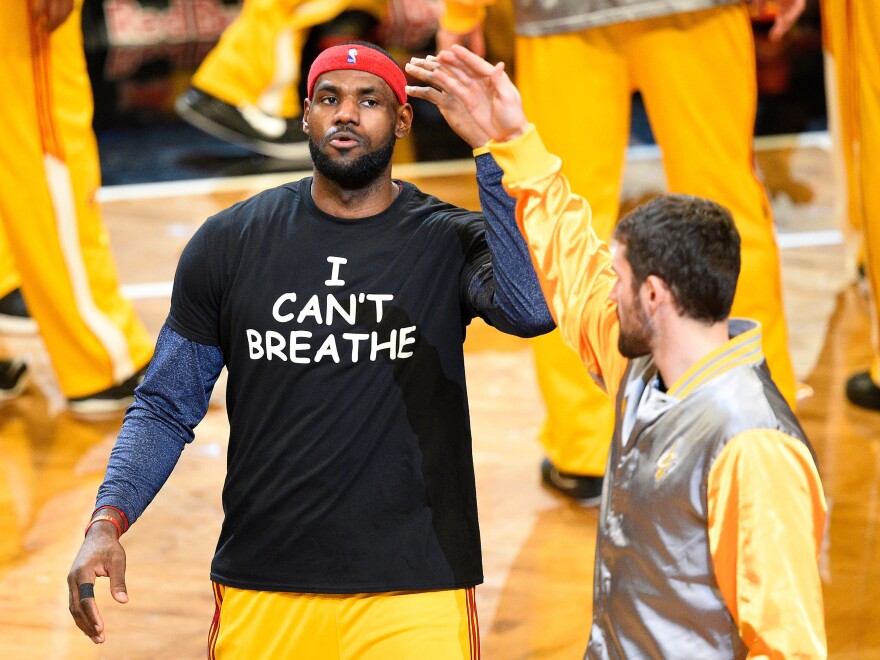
x=430 y=625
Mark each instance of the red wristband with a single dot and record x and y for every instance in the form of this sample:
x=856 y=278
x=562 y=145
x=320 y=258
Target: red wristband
x=121 y=513
x=108 y=519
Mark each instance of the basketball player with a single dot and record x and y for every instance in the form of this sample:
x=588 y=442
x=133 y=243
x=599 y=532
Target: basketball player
x=339 y=305
x=712 y=511
x=693 y=61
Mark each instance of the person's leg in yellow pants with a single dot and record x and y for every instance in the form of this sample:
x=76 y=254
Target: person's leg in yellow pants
x=853 y=40
x=842 y=104
x=49 y=174
x=700 y=93
x=589 y=131
x=669 y=59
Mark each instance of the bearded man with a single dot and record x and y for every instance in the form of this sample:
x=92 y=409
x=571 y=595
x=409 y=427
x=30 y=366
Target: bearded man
x=339 y=305
x=712 y=512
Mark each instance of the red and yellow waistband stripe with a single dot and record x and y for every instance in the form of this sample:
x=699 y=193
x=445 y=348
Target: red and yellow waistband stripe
x=473 y=623
x=214 y=632
x=41 y=63
x=743 y=349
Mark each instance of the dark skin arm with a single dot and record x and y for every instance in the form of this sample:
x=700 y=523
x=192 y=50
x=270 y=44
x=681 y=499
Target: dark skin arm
x=52 y=13
x=101 y=555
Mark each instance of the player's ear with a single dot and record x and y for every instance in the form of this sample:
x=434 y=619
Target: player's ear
x=657 y=292
x=403 y=125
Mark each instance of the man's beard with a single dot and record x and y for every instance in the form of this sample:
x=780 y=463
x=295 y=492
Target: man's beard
x=635 y=342
x=355 y=174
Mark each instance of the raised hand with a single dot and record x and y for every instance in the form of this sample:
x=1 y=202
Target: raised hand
x=486 y=94
x=450 y=106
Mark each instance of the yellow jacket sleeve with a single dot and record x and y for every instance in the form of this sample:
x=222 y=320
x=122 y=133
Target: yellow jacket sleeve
x=573 y=265
x=763 y=546
x=462 y=16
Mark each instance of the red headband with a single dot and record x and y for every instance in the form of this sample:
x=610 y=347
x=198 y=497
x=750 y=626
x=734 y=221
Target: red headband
x=359 y=58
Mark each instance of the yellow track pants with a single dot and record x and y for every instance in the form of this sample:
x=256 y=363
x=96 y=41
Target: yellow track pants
x=52 y=240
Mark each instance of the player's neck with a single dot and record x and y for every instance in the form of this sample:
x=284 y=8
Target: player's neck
x=364 y=202
x=681 y=347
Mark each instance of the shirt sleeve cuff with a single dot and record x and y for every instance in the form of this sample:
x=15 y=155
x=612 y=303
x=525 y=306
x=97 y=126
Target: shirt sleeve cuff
x=524 y=157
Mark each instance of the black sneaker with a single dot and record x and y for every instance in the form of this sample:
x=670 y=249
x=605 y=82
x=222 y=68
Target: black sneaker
x=585 y=489
x=14 y=316
x=13 y=378
x=112 y=400
x=861 y=391
x=246 y=126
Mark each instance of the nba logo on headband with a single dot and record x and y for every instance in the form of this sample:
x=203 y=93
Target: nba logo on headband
x=352 y=55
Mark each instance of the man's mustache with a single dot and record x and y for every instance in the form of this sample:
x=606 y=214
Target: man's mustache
x=346 y=131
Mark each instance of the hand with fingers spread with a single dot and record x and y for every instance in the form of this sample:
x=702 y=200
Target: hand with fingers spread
x=450 y=105
x=486 y=94
x=101 y=555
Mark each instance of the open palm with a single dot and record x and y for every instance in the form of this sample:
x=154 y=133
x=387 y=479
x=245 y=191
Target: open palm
x=485 y=90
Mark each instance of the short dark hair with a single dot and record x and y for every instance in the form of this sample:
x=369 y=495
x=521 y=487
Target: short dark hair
x=692 y=245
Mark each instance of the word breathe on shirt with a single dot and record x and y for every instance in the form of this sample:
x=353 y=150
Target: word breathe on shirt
x=296 y=348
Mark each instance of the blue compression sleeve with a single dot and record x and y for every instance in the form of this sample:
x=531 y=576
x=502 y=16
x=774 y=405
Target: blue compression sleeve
x=170 y=402
x=517 y=289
